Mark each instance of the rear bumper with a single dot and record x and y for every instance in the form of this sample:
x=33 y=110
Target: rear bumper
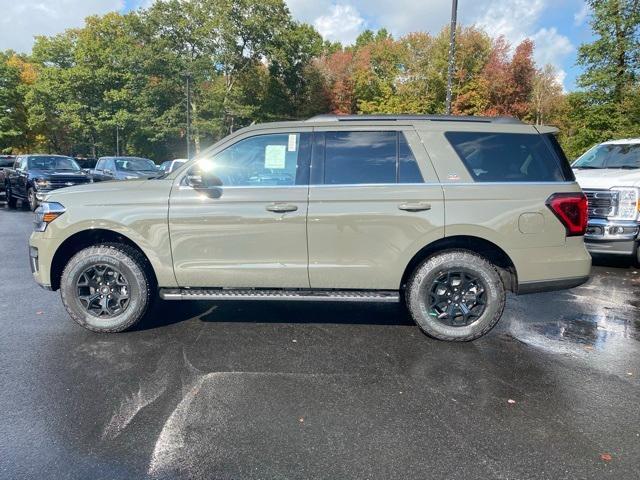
x=550 y=285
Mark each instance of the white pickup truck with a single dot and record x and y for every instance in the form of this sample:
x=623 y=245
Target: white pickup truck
x=609 y=174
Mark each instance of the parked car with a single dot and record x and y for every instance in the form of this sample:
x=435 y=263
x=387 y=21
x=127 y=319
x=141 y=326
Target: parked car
x=86 y=163
x=170 y=165
x=609 y=174
x=332 y=209
x=35 y=176
x=6 y=163
x=124 y=168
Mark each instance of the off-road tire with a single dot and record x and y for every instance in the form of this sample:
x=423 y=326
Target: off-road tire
x=133 y=266
x=434 y=266
x=12 y=201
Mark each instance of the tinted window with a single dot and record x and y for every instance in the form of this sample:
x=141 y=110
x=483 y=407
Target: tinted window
x=611 y=155
x=6 y=162
x=507 y=157
x=52 y=163
x=360 y=157
x=263 y=160
x=561 y=157
x=408 y=171
x=133 y=164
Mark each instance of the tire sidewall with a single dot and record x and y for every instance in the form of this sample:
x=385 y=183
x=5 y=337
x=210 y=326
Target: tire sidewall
x=129 y=268
x=31 y=198
x=422 y=280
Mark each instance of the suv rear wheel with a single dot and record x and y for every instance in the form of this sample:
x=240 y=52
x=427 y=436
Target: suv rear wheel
x=106 y=288
x=455 y=295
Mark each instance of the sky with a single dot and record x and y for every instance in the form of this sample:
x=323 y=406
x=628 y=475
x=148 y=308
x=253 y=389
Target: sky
x=557 y=27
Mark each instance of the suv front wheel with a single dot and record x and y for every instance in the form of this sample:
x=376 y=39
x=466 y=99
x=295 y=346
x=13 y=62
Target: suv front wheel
x=455 y=295
x=106 y=288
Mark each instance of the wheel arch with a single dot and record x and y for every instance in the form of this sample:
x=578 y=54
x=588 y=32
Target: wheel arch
x=87 y=238
x=480 y=246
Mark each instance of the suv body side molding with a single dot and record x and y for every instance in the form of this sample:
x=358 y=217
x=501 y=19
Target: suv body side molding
x=550 y=285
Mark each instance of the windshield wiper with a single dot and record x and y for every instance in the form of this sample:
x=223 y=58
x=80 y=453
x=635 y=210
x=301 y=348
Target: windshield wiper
x=588 y=167
x=625 y=167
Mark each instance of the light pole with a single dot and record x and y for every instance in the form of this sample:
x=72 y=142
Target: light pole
x=452 y=52
x=188 y=75
x=117 y=140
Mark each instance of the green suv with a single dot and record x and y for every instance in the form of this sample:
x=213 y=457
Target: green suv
x=446 y=214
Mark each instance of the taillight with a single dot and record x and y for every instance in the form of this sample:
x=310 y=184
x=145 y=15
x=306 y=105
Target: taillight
x=571 y=210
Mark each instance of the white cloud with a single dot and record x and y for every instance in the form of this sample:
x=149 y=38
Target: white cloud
x=398 y=16
x=343 y=23
x=21 y=20
x=551 y=47
x=581 y=15
x=513 y=19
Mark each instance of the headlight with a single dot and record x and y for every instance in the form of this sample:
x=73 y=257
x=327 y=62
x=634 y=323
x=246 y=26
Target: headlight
x=46 y=213
x=41 y=183
x=628 y=206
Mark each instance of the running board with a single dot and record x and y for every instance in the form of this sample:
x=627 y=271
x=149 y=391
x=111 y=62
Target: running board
x=386 y=296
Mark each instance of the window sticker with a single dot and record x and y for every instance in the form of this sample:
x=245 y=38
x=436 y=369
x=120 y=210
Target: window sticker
x=275 y=156
x=292 y=142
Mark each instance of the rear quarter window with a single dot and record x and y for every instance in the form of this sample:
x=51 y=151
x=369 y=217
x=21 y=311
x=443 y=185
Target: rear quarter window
x=510 y=157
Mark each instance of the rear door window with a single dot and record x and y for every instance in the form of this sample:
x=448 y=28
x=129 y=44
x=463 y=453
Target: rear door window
x=376 y=157
x=508 y=157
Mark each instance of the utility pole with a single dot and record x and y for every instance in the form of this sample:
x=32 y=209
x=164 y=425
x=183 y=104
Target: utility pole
x=452 y=52
x=188 y=75
x=117 y=140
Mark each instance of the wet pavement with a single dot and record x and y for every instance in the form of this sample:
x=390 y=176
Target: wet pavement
x=285 y=390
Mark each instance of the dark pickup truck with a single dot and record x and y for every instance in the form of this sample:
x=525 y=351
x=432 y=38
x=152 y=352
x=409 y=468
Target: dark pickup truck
x=33 y=176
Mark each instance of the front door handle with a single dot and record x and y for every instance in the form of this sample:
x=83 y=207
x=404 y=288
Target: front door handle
x=281 y=207
x=415 y=207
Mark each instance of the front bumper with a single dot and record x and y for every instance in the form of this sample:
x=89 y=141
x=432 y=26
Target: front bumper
x=612 y=236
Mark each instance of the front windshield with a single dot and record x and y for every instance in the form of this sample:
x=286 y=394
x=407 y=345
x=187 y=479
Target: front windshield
x=53 y=163
x=616 y=155
x=135 y=164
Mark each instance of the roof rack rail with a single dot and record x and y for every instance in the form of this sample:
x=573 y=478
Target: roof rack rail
x=429 y=118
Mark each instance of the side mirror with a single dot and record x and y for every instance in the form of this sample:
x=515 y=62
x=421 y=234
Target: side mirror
x=206 y=182
x=107 y=172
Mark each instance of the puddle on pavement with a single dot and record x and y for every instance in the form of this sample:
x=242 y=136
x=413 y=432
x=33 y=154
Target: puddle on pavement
x=592 y=330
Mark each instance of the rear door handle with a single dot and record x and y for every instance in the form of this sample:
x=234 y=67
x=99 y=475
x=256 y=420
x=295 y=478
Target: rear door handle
x=281 y=207
x=415 y=207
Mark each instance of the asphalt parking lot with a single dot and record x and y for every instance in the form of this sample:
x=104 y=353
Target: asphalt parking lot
x=286 y=390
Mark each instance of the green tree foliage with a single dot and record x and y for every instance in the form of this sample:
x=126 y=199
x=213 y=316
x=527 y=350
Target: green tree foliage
x=608 y=106
x=249 y=61
x=13 y=128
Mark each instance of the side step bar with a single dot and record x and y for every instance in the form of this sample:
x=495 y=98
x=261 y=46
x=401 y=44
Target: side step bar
x=387 y=296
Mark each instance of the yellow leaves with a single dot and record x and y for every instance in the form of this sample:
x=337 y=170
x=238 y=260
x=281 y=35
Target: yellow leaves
x=28 y=72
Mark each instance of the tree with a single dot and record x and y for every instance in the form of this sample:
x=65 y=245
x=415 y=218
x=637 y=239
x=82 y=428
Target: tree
x=607 y=106
x=546 y=94
x=14 y=73
x=611 y=61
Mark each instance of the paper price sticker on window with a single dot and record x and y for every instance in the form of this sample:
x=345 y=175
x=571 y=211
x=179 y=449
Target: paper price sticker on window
x=292 y=142
x=275 y=156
